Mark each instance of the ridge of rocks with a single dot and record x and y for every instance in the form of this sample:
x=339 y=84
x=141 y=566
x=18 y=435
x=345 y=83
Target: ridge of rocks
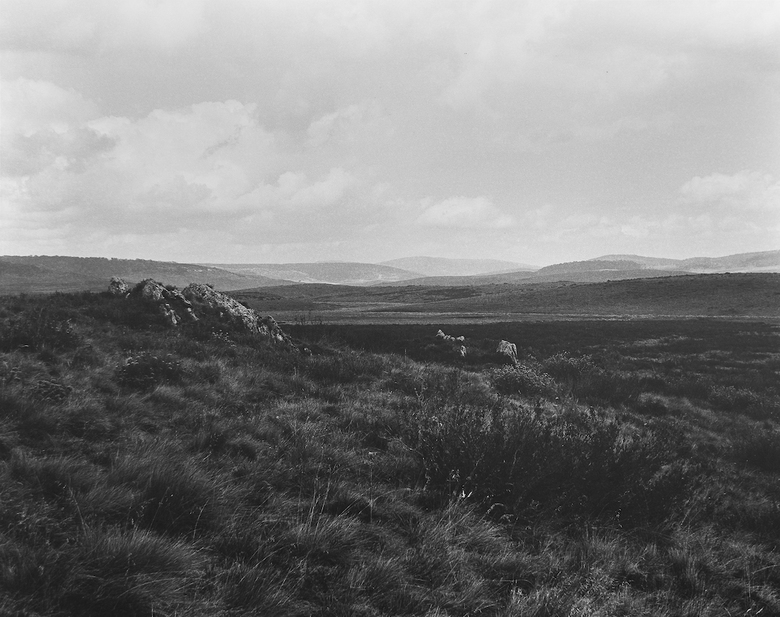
x=179 y=307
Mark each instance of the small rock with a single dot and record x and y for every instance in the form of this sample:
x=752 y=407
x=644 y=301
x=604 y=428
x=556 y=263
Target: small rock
x=118 y=287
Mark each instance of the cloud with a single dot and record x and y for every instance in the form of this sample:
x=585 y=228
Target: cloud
x=90 y=26
x=45 y=126
x=28 y=105
x=311 y=123
x=209 y=166
x=743 y=191
x=463 y=212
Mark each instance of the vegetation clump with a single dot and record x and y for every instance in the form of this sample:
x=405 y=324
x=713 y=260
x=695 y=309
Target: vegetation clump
x=204 y=470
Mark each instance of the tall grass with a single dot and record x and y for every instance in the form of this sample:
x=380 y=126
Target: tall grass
x=216 y=474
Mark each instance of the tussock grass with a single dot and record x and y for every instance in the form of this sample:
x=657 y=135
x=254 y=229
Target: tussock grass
x=215 y=474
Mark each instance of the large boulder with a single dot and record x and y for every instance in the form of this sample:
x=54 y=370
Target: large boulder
x=117 y=287
x=228 y=308
x=172 y=304
x=235 y=312
x=182 y=306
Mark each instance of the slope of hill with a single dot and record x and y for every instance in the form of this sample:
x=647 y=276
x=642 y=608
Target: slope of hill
x=550 y=274
x=41 y=274
x=741 y=262
x=647 y=262
x=339 y=273
x=704 y=294
x=751 y=294
x=594 y=265
x=440 y=266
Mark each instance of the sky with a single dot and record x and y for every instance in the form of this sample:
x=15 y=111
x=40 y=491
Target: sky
x=250 y=131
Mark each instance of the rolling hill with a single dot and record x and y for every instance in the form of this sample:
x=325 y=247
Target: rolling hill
x=721 y=295
x=36 y=274
x=440 y=266
x=768 y=261
x=337 y=273
x=616 y=267
x=45 y=274
x=703 y=294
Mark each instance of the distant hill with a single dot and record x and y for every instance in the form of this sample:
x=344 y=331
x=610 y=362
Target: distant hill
x=768 y=261
x=338 y=273
x=576 y=272
x=751 y=294
x=646 y=262
x=594 y=265
x=38 y=274
x=43 y=274
x=440 y=266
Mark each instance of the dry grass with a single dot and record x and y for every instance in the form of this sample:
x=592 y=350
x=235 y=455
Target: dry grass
x=214 y=474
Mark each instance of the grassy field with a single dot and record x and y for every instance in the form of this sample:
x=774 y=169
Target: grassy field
x=712 y=295
x=620 y=468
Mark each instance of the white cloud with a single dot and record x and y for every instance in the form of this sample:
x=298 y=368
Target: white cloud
x=463 y=212
x=95 y=25
x=28 y=105
x=310 y=122
x=209 y=166
x=743 y=191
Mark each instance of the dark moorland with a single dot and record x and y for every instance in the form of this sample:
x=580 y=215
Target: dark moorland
x=717 y=295
x=620 y=467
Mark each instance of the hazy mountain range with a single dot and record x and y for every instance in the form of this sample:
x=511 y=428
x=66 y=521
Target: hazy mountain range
x=440 y=266
x=34 y=274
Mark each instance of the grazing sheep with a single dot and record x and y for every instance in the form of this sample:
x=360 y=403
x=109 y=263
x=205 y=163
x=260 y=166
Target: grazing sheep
x=508 y=349
x=459 y=349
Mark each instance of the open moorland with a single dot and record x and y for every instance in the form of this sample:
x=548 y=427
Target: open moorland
x=617 y=467
x=715 y=295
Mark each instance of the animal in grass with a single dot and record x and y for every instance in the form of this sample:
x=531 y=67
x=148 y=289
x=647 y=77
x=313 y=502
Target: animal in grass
x=456 y=341
x=507 y=349
x=447 y=337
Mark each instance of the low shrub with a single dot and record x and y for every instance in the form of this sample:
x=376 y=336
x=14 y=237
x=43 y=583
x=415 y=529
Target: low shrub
x=52 y=477
x=171 y=498
x=145 y=371
x=344 y=367
x=434 y=385
x=567 y=368
x=36 y=330
x=731 y=398
x=522 y=379
x=759 y=447
x=577 y=465
x=128 y=573
x=602 y=387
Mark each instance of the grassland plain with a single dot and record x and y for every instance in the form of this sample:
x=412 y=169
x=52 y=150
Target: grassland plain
x=621 y=468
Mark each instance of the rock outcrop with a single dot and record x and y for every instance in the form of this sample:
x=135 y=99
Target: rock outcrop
x=172 y=304
x=183 y=306
x=117 y=287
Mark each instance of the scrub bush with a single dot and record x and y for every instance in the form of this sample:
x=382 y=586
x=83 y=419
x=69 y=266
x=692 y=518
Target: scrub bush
x=145 y=371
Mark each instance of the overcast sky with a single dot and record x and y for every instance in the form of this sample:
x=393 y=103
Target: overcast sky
x=272 y=131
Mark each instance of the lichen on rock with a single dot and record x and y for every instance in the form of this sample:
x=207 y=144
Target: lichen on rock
x=118 y=287
x=182 y=306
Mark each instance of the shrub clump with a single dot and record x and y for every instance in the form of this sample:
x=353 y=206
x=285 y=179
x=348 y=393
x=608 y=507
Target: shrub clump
x=145 y=371
x=38 y=330
x=577 y=465
x=567 y=368
x=522 y=379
